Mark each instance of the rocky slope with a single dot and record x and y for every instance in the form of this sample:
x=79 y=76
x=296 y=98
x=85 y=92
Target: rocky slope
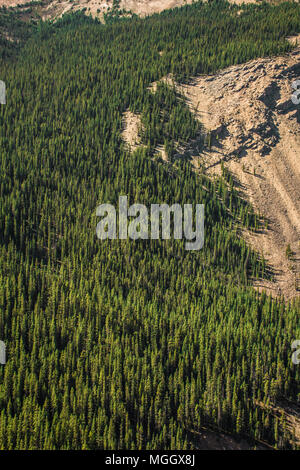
x=51 y=9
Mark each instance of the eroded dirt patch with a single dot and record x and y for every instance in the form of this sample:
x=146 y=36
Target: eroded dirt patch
x=254 y=129
x=289 y=413
x=131 y=130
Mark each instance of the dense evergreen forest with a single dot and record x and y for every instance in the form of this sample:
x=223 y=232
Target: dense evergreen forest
x=131 y=344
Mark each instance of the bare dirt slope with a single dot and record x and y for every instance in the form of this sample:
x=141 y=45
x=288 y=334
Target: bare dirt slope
x=56 y=8
x=148 y=7
x=255 y=131
x=97 y=8
x=131 y=130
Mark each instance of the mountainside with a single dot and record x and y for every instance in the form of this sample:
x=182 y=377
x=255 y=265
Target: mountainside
x=52 y=9
x=143 y=344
